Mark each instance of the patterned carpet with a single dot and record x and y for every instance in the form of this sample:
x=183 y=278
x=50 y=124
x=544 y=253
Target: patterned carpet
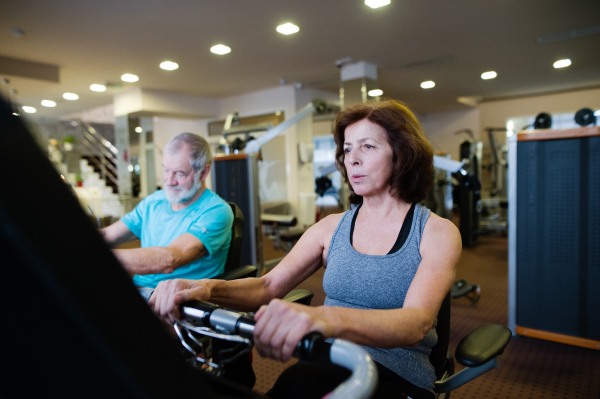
x=529 y=368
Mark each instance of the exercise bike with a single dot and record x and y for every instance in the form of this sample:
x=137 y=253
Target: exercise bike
x=209 y=320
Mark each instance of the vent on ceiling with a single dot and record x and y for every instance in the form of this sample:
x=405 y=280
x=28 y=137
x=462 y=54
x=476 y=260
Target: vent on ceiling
x=570 y=34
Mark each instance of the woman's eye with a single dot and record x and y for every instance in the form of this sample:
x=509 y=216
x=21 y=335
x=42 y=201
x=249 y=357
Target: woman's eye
x=368 y=146
x=346 y=149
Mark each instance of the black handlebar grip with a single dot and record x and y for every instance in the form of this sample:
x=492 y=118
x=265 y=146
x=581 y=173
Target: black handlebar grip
x=310 y=347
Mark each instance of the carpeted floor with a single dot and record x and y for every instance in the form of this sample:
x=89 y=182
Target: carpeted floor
x=529 y=369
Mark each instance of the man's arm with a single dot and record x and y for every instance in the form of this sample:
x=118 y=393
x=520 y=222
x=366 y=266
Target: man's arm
x=116 y=234
x=162 y=260
x=249 y=294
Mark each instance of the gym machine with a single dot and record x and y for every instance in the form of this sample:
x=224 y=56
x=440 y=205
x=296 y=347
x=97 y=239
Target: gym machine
x=235 y=179
x=468 y=193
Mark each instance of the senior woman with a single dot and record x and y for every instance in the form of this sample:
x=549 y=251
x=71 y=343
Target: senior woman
x=389 y=261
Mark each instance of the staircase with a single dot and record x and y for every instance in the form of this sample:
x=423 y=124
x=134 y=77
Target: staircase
x=100 y=154
x=98 y=170
x=96 y=162
x=99 y=197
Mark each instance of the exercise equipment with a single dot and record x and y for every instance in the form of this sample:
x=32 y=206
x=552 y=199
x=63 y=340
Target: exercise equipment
x=100 y=338
x=553 y=252
x=498 y=166
x=283 y=226
x=210 y=320
x=542 y=121
x=462 y=288
x=235 y=179
x=468 y=193
x=585 y=117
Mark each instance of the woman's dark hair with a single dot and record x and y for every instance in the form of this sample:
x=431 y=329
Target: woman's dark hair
x=412 y=173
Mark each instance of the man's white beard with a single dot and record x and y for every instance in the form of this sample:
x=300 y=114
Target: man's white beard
x=182 y=195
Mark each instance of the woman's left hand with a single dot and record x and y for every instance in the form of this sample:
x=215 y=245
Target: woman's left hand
x=280 y=325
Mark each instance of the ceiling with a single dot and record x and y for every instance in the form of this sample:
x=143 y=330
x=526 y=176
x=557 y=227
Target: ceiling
x=449 y=42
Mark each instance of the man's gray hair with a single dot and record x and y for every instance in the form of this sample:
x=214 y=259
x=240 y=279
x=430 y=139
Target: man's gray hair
x=200 y=153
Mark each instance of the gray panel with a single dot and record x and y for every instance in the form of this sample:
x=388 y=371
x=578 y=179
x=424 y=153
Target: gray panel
x=593 y=315
x=255 y=209
x=593 y=240
x=558 y=230
x=230 y=181
x=561 y=172
x=528 y=275
x=150 y=171
x=513 y=180
x=231 y=185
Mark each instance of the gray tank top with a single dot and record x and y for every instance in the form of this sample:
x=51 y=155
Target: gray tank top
x=356 y=280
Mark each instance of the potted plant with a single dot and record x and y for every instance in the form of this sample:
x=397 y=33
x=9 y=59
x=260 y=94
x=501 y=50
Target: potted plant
x=69 y=142
x=79 y=180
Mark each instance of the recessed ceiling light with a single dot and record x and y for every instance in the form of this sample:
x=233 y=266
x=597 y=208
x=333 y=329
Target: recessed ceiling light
x=220 y=49
x=375 y=93
x=377 y=3
x=48 y=103
x=562 y=63
x=70 y=96
x=96 y=87
x=428 y=84
x=139 y=129
x=169 y=66
x=128 y=77
x=28 y=109
x=488 y=75
x=287 y=29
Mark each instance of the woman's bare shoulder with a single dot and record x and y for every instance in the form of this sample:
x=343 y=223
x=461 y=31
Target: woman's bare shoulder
x=438 y=227
x=327 y=225
x=333 y=219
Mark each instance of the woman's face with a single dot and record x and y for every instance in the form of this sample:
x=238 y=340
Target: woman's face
x=368 y=158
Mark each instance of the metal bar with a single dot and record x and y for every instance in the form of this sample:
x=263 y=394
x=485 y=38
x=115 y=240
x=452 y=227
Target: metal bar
x=512 y=233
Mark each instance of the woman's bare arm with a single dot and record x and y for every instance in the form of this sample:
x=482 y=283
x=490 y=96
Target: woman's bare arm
x=440 y=251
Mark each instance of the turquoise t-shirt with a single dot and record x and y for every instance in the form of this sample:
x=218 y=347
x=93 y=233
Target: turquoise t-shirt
x=209 y=219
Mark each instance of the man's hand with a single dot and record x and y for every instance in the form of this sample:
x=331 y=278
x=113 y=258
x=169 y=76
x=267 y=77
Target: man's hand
x=170 y=294
x=281 y=325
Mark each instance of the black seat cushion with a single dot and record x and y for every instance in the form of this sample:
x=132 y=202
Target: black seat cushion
x=482 y=344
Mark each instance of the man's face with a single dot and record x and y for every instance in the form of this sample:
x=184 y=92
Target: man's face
x=181 y=183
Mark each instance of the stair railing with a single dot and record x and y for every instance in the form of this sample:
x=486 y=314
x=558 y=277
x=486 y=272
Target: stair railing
x=103 y=152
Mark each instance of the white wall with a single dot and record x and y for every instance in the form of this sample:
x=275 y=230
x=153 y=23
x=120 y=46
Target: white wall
x=127 y=102
x=151 y=101
x=305 y=179
x=441 y=126
x=496 y=113
x=165 y=102
x=103 y=114
x=262 y=102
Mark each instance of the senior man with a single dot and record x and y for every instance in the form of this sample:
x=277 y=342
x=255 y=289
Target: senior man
x=185 y=229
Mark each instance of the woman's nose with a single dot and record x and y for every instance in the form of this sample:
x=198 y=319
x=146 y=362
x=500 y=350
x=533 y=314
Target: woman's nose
x=353 y=159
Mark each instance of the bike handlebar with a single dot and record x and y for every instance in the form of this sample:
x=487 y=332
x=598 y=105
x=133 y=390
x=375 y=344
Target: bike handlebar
x=360 y=385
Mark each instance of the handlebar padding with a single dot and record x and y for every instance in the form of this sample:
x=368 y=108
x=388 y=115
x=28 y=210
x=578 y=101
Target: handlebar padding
x=310 y=347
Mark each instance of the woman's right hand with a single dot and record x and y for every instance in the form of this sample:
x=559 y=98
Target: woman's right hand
x=280 y=325
x=170 y=294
